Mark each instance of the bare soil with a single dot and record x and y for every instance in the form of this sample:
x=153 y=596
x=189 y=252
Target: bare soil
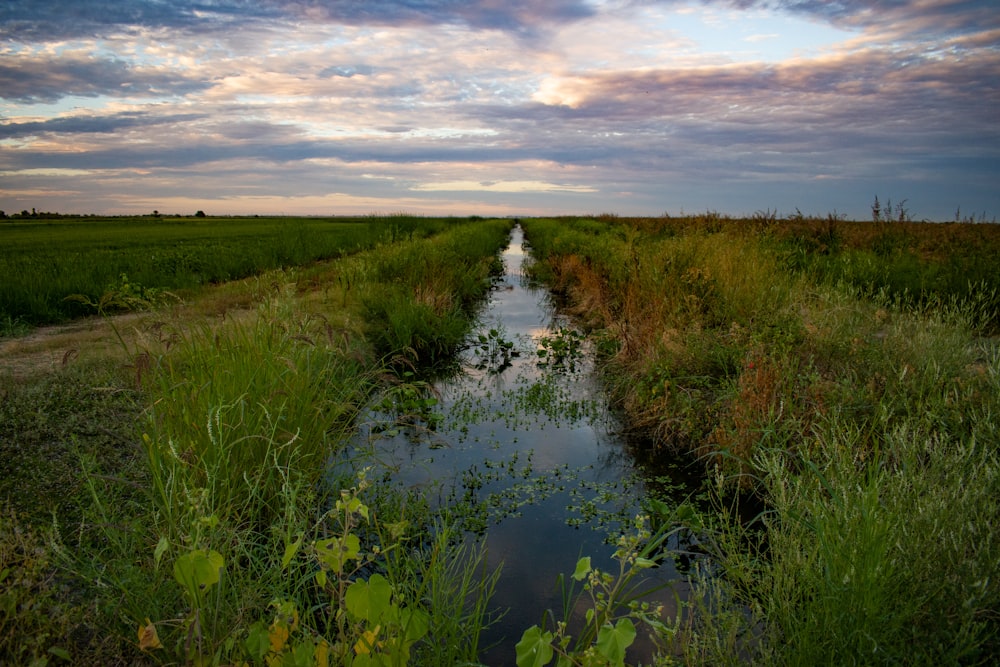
x=49 y=348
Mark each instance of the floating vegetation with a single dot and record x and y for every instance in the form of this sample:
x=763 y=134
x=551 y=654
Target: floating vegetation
x=493 y=352
x=562 y=350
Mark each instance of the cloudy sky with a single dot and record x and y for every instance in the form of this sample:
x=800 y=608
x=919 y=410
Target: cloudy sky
x=487 y=107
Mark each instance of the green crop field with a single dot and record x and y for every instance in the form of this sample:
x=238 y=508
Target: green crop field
x=44 y=261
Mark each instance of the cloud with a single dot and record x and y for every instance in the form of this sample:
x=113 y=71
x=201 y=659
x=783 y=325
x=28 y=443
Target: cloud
x=520 y=16
x=93 y=124
x=850 y=90
x=46 y=172
x=346 y=71
x=54 y=20
x=898 y=17
x=48 y=20
x=618 y=107
x=500 y=186
x=47 y=78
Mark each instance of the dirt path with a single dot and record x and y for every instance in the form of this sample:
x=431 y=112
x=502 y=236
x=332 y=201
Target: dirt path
x=48 y=348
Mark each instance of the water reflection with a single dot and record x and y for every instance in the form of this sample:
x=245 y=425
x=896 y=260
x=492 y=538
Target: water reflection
x=534 y=445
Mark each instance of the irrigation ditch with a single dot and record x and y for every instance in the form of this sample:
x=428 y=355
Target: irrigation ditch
x=520 y=442
x=843 y=374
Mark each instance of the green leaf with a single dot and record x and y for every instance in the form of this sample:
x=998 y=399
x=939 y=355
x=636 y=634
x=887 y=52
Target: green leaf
x=161 y=548
x=658 y=507
x=369 y=600
x=660 y=627
x=335 y=552
x=197 y=571
x=302 y=654
x=688 y=516
x=290 y=551
x=612 y=641
x=415 y=622
x=535 y=648
x=644 y=563
x=60 y=653
x=582 y=568
x=257 y=642
x=353 y=506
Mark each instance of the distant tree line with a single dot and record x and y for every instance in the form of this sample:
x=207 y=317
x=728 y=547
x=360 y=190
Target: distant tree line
x=37 y=215
x=34 y=214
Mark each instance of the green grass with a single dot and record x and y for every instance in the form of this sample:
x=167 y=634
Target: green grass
x=47 y=424
x=420 y=296
x=45 y=261
x=49 y=430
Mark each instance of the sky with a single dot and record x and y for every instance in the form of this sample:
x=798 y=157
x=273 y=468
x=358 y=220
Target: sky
x=500 y=107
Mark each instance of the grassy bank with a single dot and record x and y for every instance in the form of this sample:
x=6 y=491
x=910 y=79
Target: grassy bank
x=174 y=504
x=842 y=373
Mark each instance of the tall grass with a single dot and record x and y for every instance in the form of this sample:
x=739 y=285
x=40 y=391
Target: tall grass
x=242 y=406
x=420 y=296
x=886 y=565
x=683 y=316
x=246 y=417
x=863 y=419
x=925 y=265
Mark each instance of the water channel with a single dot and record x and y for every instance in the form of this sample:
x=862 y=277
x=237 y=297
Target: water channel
x=529 y=440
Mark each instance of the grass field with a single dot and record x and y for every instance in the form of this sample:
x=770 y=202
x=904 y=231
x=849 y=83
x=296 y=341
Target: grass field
x=133 y=261
x=845 y=376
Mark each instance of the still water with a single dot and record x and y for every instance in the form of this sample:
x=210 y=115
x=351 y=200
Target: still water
x=527 y=440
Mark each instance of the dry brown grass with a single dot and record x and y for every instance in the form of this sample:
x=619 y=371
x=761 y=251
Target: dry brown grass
x=749 y=415
x=584 y=289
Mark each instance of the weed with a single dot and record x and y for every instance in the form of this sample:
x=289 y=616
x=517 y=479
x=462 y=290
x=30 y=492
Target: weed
x=12 y=327
x=840 y=370
x=562 y=350
x=31 y=615
x=613 y=604
x=493 y=351
x=45 y=261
